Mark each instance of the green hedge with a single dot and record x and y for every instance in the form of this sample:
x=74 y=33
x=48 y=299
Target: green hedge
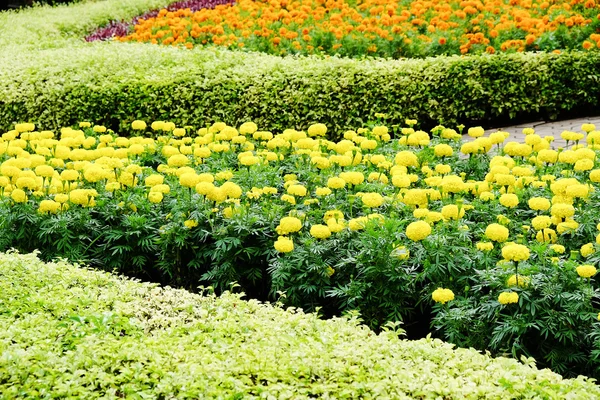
x=70 y=332
x=51 y=77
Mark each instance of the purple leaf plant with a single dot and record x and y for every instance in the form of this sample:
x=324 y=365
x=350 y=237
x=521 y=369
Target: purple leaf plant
x=123 y=28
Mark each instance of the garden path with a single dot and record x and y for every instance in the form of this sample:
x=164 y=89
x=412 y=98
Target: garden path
x=544 y=128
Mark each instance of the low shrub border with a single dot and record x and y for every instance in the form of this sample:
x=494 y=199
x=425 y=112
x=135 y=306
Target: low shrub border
x=72 y=332
x=118 y=82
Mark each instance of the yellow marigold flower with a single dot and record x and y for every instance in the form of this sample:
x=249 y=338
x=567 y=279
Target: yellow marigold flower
x=336 y=183
x=288 y=225
x=400 y=252
x=80 y=197
x=204 y=188
x=441 y=295
x=26 y=182
x=587 y=249
x=522 y=281
x=509 y=200
x=99 y=129
x=485 y=246
x=190 y=223
x=567 y=226
x=587 y=128
x=539 y=203
x=418 y=230
x=297 y=190
x=179 y=132
x=48 y=207
x=284 y=244
x=155 y=197
x=452 y=184
x=586 y=271
x=452 y=211
x=496 y=232
x=317 y=130
x=546 y=235
x=288 y=198
x=558 y=248
x=541 y=222
x=217 y=195
x=138 y=125
x=368 y=144
x=583 y=165
x=407 y=159
x=24 y=127
x=353 y=177
x=487 y=196
x=562 y=210
x=61 y=198
x=357 y=224
x=178 y=160
x=372 y=200
x=320 y=231
x=84 y=124
x=44 y=170
x=508 y=298
x=476 y=132
x=443 y=150
x=154 y=179
x=248 y=128
x=322 y=191
x=335 y=224
x=577 y=191
x=443 y=169
x=515 y=252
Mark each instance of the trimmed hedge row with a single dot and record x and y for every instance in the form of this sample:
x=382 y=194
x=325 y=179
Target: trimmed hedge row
x=75 y=333
x=119 y=82
x=51 y=77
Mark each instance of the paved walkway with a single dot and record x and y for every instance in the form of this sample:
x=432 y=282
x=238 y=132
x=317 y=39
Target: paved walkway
x=543 y=128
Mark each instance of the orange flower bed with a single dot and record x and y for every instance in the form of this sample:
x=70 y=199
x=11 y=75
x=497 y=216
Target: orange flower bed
x=381 y=27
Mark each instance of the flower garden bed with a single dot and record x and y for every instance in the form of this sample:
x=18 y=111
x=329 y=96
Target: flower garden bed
x=378 y=28
x=369 y=223
x=72 y=332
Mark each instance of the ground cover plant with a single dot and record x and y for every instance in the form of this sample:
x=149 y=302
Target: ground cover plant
x=395 y=224
x=379 y=28
x=73 y=332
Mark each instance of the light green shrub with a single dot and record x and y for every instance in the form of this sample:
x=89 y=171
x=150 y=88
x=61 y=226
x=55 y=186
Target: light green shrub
x=72 y=332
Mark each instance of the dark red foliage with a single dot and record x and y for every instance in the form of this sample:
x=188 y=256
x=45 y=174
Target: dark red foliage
x=123 y=28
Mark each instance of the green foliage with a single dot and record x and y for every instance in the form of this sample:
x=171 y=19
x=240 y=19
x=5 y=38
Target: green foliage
x=136 y=340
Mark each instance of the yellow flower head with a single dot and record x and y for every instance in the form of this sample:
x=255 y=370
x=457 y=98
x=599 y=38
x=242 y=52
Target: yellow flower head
x=138 y=125
x=587 y=249
x=441 y=295
x=284 y=244
x=520 y=280
x=418 y=230
x=586 y=271
x=288 y=225
x=485 y=246
x=497 y=233
x=190 y=223
x=452 y=211
x=515 y=252
x=508 y=298
x=320 y=231
x=372 y=200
